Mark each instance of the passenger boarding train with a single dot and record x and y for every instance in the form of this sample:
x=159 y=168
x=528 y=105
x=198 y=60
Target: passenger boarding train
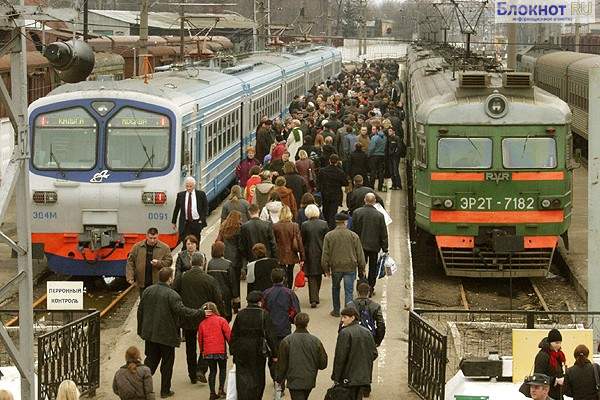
x=107 y=158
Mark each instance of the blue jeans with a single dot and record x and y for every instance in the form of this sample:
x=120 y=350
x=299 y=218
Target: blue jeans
x=336 y=279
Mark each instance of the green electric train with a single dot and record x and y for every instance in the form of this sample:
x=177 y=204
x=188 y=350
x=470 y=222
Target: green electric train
x=491 y=166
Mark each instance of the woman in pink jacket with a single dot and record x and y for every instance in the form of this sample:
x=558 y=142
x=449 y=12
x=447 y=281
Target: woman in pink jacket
x=213 y=335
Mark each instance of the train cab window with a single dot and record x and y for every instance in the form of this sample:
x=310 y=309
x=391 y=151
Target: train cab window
x=57 y=133
x=529 y=152
x=137 y=139
x=464 y=153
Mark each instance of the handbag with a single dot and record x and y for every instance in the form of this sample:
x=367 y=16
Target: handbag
x=338 y=392
x=265 y=350
x=231 y=385
x=300 y=280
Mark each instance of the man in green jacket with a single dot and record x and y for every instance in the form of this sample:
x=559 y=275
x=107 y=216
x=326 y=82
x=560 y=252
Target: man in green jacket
x=301 y=356
x=158 y=314
x=341 y=258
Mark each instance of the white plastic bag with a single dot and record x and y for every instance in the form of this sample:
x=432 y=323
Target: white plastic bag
x=390 y=266
x=231 y=389
x=386 y=215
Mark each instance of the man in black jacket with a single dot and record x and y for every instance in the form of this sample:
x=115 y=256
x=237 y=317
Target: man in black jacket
x=355 y=352
x=356 y=198
x=196 y=288
x=158 y=314
x=257 y=231
x=301 y=356
x=192 y=207
x=369 y=225
x=330 y=181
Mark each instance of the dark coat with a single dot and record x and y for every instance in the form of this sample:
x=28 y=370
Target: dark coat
x=201 y=206
x=262 y=274
x=313 y=234
x=285 y=233
x=358 y=164
x=301 y=356
x=133 y=386
x=159 y=313
x=356 y=198
x=264 y=139
x=278 y=300
x=330 y=181
x=241 y=205
x=342 y=252
x=580 y=383
x=222 y=271
x=196 y=287
x=361 y=303
x=251 y=325
x=542 y=366
x=233 y=251
x=355 y=352
x=369 y=225
x=298 y=186
x=183 y=263
x=257 y=231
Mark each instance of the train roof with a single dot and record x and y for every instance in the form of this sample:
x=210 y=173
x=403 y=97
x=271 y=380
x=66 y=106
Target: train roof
x=583 y=66
x=437 y=98
x=561 y=59
x=204 y=86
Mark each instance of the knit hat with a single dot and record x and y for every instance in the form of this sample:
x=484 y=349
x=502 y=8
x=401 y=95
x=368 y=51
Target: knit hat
x=554 y=336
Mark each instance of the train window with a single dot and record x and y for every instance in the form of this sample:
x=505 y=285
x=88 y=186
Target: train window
x=138 y=139
x=57 y=133
x=467 y=153
x=529 y=152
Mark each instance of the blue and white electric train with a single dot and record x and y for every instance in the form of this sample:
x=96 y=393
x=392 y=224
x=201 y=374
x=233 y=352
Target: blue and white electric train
x=107 y=158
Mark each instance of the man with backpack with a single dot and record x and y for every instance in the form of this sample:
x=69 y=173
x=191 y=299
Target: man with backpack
x=370 y=317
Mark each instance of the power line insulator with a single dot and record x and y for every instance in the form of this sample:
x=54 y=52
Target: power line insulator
x=74 y=60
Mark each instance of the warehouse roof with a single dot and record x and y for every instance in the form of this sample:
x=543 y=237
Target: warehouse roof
x=168 y=20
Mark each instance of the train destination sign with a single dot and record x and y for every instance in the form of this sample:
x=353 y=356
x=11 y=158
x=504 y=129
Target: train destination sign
x=64 y=295
x=133 y=118
x=73 y=118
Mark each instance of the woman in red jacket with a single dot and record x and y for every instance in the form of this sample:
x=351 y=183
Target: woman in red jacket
x=213 y=335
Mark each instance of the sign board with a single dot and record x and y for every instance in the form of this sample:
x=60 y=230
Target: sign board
x=545 y=11
x=64 y=295
x=525 y=347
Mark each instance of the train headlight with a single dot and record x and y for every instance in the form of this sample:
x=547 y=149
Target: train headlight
x=545 y=203
x=45 y=197
x=154 y=197
x=496 y=105
x=448 y=203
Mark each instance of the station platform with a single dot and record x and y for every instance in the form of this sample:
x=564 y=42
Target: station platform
x=576 y=256
x=393 y=293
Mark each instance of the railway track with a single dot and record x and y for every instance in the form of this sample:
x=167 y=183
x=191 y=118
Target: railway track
x=534 y=296
x=103 y=299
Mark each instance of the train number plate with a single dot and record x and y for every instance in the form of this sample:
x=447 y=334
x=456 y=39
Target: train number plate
x=490 y=203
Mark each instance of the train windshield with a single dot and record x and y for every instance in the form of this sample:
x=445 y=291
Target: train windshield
x=529 y=152
x=138 y=140
x=65 y=140
x=467 y=153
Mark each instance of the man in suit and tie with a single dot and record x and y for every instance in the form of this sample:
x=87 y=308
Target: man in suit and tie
x=192 y=207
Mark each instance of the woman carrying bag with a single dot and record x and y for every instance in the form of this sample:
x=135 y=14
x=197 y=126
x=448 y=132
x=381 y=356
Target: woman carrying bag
x=289 y=244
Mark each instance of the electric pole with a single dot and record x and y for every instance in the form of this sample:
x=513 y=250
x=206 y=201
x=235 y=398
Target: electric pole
x=181 y=33
x=511 y=47
x=262 y=25
x=328 y=22
x=16 y=181
x=143 y=35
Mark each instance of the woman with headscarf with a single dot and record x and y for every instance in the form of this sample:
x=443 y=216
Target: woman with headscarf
x=550 y=361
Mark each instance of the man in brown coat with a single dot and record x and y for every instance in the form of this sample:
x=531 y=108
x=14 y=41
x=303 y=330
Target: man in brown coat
x=342 y=257
x=146 y=258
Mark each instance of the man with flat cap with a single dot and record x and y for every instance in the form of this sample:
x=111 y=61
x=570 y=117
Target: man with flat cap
x=251 y=327
x=539 y=386
x=342 y=257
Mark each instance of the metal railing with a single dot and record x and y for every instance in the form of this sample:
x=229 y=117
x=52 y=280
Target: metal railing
x=70 y=352
x=440 y=338
x=427 y=349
